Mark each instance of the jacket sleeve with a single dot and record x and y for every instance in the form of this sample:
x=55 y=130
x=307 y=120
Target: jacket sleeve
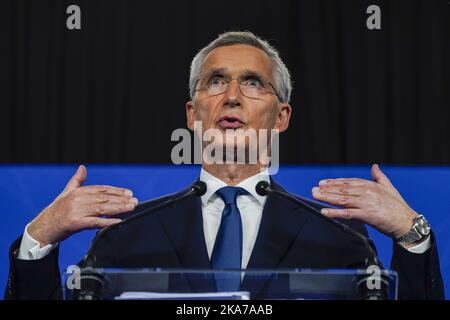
x=33 y=279
x=419 y=274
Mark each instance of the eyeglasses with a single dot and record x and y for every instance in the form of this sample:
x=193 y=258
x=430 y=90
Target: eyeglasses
x=251 y=86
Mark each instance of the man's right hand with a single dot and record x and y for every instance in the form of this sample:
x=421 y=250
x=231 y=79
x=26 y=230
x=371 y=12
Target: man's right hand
x=78 y=208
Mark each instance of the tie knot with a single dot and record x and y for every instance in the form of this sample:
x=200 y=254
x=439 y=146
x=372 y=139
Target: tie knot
x=230 y=194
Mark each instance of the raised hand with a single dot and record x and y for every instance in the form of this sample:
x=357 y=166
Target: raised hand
x=78 y=208
x=376 y=202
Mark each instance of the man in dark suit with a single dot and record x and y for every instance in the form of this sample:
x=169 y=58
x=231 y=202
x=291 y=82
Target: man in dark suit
x=237 y=82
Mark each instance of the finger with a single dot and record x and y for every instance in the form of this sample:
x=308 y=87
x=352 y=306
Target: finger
x=342 y=189
x=379 y=177
x=77 y=179
x=103 y=198
x=340 y=200
x=109 y=209
x=97 y=223
x=343 y=181
x=342 y=213
x=96 y=189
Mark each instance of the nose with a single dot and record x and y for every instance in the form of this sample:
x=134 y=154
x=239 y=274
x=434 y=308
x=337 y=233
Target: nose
x=233 y=94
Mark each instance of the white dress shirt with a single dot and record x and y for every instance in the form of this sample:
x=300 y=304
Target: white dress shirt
x=250 y=205
x=30 y=249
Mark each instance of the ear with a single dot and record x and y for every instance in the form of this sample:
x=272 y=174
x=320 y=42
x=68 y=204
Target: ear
x=284 y=115
x=190 y=114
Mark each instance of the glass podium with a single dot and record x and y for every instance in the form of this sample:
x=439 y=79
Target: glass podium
x=256 y=284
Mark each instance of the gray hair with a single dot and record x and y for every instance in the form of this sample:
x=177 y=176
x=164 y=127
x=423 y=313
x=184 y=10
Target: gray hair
x=281 y=74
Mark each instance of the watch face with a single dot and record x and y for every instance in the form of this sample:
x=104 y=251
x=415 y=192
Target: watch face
x=423 y=227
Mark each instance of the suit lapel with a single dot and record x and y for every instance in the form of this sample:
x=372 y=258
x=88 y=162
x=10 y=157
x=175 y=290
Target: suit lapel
x=183 y=224
x=281 y=222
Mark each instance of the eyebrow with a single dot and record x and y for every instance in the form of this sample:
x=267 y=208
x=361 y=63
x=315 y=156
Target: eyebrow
x=252 y=73
x=213 y=72
x=223 y=71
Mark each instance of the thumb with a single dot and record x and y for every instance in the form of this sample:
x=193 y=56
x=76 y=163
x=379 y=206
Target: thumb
x=379 y=177
x=78 y=179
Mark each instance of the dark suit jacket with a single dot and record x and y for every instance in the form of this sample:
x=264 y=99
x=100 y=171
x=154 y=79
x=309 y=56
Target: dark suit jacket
x=172 y=237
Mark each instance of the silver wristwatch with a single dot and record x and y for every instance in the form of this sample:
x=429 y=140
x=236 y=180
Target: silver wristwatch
x=420 y=229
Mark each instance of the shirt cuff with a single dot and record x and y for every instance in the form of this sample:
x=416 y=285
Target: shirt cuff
x=421 y=247
x=30 y=249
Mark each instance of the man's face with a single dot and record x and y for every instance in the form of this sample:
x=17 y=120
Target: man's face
x=232 y=109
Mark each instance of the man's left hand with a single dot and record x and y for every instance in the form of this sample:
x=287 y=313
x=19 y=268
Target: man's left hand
x=376 y=202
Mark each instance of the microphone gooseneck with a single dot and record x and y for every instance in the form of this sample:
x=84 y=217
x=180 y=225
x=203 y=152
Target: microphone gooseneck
x=263 y=189
x=92 y=281
x=361 y=282
x=198 y=189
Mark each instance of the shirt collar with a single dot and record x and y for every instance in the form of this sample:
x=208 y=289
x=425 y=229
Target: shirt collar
x=213 y=184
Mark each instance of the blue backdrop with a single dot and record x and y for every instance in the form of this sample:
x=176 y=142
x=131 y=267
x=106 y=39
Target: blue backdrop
x=26 y=190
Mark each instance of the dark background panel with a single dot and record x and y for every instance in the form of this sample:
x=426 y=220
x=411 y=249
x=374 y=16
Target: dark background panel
x=114 y=91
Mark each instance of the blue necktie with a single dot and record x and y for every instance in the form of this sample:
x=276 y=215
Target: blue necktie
x=227 y=252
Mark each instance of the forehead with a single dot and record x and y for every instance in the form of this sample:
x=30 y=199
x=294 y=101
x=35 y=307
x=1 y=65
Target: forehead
x=238 y=58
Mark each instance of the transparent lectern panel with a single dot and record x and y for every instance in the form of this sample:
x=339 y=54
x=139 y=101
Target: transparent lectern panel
x=100 y=283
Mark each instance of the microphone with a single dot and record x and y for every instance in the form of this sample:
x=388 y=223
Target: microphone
x=361 y=281
x=92 y=282
x=263 y=189
x=198 y=188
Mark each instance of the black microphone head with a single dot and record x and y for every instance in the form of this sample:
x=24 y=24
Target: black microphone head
x=199 y=188
x=262 y=188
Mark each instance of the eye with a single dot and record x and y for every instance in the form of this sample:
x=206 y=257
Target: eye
x=253 y=82
x=215 y=81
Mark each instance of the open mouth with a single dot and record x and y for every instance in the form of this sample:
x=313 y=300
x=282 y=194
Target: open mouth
x=230 y=122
